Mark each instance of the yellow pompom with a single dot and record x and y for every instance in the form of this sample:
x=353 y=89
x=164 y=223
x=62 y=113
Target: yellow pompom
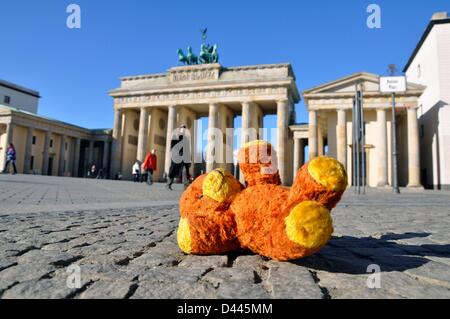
x=184 y=236
x=309 y=224
x=220 y=185
x=328 y=172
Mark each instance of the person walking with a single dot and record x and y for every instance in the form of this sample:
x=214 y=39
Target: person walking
x=93 y=171
x=10 y=158
x=180 y=157
x=136 y=171
x=150 y=165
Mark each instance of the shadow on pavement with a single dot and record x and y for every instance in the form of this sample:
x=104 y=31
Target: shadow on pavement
x=352 y=255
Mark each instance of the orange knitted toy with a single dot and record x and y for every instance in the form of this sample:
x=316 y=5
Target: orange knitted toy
x=218 y=215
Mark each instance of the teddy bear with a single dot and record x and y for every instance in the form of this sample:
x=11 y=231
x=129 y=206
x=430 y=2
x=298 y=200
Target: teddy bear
x=220 y=215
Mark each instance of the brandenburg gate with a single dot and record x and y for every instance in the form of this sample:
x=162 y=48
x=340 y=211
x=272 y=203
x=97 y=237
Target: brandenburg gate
x=147 y=109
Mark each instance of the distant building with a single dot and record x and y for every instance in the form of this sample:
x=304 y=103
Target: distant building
x=18 y=97
x=44 y=145
x=429 y=65
x=330 y=108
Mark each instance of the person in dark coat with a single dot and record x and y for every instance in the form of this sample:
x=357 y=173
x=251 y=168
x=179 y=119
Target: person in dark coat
x=10 y=158
x=180 y=155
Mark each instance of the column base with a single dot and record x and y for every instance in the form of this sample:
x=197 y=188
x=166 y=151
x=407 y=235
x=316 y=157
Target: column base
x=415 y=186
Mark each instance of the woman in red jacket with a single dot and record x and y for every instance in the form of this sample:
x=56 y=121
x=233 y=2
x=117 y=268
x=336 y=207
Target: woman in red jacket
x=150 y=165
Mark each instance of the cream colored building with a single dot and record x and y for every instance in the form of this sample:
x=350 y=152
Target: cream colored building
x=47 y=146
x=429 y=65
x=147 y=108
x=330 y=128
x=18 y=97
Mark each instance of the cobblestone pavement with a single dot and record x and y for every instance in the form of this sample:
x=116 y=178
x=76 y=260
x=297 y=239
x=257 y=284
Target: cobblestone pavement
x=123 y=238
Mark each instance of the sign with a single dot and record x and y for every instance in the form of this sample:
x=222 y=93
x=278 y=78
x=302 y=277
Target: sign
x=392 y=84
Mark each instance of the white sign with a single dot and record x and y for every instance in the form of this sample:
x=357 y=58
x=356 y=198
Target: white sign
x=392 y=84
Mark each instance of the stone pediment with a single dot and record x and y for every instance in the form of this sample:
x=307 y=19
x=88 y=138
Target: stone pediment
x=346 y=85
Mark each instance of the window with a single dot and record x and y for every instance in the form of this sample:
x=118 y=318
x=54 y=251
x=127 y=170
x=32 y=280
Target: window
x=419 y=71
x=34 y=140
x=7 y=99
x=51 y=143
x=65 y=146
x=32 y=163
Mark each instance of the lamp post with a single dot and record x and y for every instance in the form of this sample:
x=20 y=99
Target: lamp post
x=395 y=188
x=393 y=84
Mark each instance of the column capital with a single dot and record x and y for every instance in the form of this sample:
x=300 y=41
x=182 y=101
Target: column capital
x=412 y=108
x=282 y=101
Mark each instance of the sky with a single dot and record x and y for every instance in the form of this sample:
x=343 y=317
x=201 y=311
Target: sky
x=73 y=69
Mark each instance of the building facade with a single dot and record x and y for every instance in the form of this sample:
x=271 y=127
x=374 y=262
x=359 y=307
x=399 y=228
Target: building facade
x=429 y=65
x=148 y=108
x=46 y=146
x=19 y=97
x=329 y=130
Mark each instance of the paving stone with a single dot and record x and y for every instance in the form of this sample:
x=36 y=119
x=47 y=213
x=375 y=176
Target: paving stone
x=23 y=272
x=173 y=283
x=410 y=287
x=432 y=272
x=286 y=280
x=117 y=289
x=204 y=262
x=40 y=289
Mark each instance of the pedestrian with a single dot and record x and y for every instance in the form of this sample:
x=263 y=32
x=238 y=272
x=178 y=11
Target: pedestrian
x=93 y=171
x=136 y=171
x=180 y=157
x=144 y=173
x=10 y=158
x=149 y=166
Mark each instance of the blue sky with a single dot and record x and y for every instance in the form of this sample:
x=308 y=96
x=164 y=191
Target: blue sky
x=74 y=69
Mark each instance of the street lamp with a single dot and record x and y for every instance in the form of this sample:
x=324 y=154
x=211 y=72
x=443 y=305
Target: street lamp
x=393 y=84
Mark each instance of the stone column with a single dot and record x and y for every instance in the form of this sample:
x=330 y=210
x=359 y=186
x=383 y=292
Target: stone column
x=212 y=126
x=28 y=150
x=312 y=134
x=246 y=122
x=76 y=157
x=341 y=137
x=45 y=153
x=62 y=153
x=142 y=137
x=282 y=137
x=413 y=149
x=116 y=152
x=8 y=139
x=105 y=156
x=91 y=153
x=320 y=142
x=298 y=154
x=382 y=148
x=171 y=125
